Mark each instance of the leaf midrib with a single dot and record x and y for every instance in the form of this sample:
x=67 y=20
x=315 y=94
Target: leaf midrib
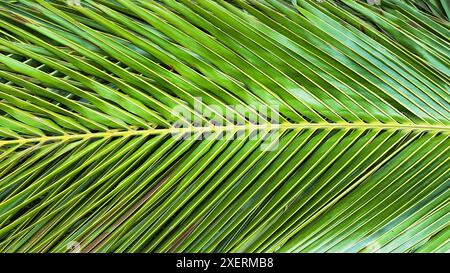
x=230 y=128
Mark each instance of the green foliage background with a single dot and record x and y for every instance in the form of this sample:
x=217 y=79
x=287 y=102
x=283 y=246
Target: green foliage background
x=89 y=156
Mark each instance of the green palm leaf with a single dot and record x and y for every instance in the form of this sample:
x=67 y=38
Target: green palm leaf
x=224 y=126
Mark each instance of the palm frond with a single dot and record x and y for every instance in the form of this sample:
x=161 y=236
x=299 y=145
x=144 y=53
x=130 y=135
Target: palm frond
x=224 y=126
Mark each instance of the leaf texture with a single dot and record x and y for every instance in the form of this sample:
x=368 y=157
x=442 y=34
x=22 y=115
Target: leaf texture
x=356 y=131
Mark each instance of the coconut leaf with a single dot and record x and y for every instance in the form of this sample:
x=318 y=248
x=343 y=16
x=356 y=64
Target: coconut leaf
x=224 y=126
